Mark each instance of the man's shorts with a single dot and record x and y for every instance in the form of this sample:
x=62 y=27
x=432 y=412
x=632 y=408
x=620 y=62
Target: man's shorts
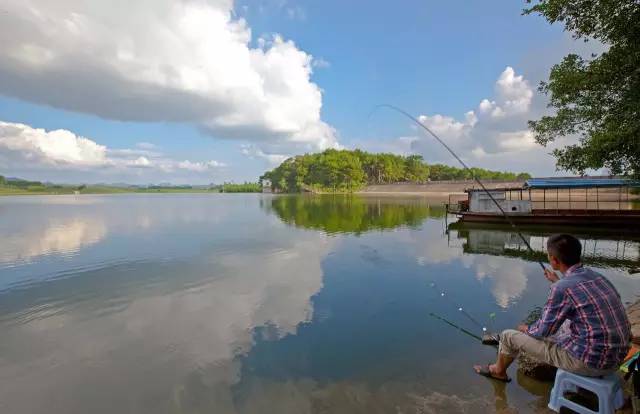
x=513 y=342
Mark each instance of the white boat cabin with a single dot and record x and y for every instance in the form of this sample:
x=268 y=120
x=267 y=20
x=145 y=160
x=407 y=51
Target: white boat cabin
x=480 y=202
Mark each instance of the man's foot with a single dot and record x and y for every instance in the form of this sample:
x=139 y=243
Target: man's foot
x=490 y=371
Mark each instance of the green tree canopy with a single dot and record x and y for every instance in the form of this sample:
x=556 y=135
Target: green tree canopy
x=345 y=171
x=241 y=188
x=598 y=98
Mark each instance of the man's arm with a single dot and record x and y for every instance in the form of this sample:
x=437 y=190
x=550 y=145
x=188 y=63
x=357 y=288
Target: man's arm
x=553 y=315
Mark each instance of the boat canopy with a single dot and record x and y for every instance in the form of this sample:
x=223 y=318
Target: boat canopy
x=579 y=182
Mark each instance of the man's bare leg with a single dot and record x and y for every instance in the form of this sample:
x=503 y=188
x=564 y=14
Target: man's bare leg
x=499 y=369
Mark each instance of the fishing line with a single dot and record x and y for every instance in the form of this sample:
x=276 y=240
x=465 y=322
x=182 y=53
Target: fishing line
x=505 y=215
x=444 y=295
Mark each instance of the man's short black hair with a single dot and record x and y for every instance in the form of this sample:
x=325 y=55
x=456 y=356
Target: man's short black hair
x=566 y=248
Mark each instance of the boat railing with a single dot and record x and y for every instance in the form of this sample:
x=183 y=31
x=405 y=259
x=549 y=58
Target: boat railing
x=456 y=203
x=557 y=200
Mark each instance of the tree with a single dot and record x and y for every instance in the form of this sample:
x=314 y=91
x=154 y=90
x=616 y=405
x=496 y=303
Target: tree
x=415 y=169
x=597 y=99
x=346 y=171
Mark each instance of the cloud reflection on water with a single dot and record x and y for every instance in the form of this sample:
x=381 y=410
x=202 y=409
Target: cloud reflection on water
x=237 y=311
x=60 y=237
x=140 y=339
x=507 y=276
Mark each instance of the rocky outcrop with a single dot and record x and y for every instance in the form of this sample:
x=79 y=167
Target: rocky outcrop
x=535 y=369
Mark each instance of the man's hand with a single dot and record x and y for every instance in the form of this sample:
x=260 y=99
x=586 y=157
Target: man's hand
x=551 y=276
x=524 y=328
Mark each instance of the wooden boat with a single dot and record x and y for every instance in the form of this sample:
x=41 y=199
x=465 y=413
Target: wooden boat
x=602 y=202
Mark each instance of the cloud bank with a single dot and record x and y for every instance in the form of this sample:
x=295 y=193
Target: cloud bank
x=495 y=126
x=492 y=135
x=24 y=149
x=163 y=60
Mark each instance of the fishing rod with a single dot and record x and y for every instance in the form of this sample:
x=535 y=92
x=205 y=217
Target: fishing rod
x=464 y=165
x=464 y=331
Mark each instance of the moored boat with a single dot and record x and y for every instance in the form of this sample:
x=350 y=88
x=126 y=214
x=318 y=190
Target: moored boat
x=602 y=202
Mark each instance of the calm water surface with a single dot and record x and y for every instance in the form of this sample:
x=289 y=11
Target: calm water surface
x=262 y=304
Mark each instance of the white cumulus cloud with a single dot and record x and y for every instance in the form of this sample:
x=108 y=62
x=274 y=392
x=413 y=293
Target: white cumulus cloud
x=35 y=151
x=497 y=127
x=20 y=143
x=446 y=125
x=514 y=91
x=273 y=159
x=162 y=60
x=199 y=166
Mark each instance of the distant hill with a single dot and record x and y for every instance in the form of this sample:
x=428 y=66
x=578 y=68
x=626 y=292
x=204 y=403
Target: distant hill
x=17 y=186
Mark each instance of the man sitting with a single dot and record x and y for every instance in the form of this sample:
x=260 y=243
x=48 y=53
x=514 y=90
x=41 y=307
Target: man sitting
x=598 y=334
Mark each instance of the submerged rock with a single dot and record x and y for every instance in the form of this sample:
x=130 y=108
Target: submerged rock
x=535 y=369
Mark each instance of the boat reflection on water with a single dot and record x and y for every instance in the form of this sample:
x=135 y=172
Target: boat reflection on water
x=600 y=249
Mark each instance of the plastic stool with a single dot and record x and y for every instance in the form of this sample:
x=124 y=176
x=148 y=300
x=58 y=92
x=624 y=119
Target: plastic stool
x=607 y=389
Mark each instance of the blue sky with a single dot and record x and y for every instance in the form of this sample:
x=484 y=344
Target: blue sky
x=209 y=91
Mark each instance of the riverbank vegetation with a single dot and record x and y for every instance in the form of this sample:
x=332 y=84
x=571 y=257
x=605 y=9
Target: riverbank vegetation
x=25 y=187
x=346 y=171
x=241 y=188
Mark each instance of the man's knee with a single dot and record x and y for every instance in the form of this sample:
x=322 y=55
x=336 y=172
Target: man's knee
x=508 y=346
x=508 y=334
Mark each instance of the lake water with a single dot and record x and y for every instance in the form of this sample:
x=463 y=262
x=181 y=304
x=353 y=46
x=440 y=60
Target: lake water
x=263 y=304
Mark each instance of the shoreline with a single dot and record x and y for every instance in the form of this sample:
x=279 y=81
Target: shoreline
x=66 y=193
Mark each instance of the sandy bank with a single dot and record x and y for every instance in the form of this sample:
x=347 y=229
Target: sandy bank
x=434 y=189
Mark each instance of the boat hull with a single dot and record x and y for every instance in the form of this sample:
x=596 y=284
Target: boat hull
x=625 y=219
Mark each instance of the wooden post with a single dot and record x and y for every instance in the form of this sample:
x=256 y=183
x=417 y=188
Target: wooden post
x=627 y=196
x=586 y=199
x=619 y=197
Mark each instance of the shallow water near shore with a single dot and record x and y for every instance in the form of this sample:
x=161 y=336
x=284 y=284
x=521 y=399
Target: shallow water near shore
x=230 y=303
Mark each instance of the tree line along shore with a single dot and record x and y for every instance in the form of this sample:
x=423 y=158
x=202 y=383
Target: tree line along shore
x=353 y=170
x=330 y=171
x=16 y=186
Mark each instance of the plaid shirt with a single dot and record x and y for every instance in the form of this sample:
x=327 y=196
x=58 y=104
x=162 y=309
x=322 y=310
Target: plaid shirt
x=599 y=331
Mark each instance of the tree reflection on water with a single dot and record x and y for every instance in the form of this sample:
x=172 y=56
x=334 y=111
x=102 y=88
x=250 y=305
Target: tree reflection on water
x=351 y=214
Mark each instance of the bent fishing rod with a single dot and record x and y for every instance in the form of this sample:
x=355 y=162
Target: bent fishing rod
x=464 y=165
